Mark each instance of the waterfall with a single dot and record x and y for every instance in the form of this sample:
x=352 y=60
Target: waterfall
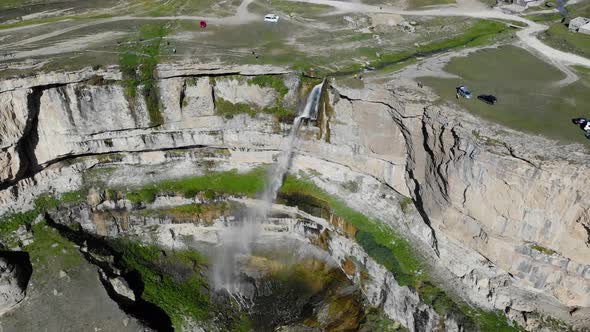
x=235 y=243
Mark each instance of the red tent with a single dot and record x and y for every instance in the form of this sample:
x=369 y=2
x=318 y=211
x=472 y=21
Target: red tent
x=203 y=24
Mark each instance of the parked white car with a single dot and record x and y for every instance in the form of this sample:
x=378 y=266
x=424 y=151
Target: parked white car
x=274 y=18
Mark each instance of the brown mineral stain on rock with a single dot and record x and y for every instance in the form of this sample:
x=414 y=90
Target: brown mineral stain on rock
x=101 y=221
x=346 y=227
x=322 y=241
x=349 y=267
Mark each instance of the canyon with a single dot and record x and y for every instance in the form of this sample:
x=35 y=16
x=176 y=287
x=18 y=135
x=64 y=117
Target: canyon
x=498 y=219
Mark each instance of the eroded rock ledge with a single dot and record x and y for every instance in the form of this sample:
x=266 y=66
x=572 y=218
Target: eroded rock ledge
x=501 y=216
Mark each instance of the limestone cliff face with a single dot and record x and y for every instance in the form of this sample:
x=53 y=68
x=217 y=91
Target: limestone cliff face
x=502 y=217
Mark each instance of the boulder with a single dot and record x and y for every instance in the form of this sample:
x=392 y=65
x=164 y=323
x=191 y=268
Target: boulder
x=119 y=286
x=122 y=288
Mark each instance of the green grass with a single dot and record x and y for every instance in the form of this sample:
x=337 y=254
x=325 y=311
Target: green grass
x=424 y=3
x=380 y=241
x=582 y=69
x=183 y=294
x=376 y=320
x=73 y=196
x=405 y=203
x=393 y=252
x=138 y=61
x=229 y=110
x=188 y=209
x=559 y=36
x=543 y=250
x=172 y=279
x=144 y=195
x=12 y=3
x=299 y=8
x=49 y=246
x=271 y=81
x=9 y=224
x=548 y=17
x=205 y=211
x=230 y=182
x=579 y=9
x=477 y=35
x=528 y=98
x=481 y=33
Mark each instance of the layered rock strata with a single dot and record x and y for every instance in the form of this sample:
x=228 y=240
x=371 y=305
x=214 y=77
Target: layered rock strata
x=501 y=216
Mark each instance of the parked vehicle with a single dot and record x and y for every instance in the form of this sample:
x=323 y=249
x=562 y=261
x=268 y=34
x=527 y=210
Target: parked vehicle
x=274 y=18
x=488 y=99
x=464 y=92
x=584 y=125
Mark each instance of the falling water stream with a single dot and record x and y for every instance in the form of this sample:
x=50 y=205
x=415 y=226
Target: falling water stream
x=236 y=242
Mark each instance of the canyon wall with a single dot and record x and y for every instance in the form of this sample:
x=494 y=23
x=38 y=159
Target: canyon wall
x=502 y=217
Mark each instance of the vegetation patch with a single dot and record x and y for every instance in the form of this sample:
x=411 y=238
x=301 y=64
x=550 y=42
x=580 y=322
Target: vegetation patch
x=528 y=97
x=138 y=61
x=425 y=3
x=559 y=36
x=385 y=246
x=173 y=282
x=229 y=110
x=479 y=34
x=206 y=212
x=393 y=252
x=405 y=203
x=9 y=224
x=230 y=182
x=376 y=320
x=543 y=250
x=172 y=279
x=143 y=195
x=275 y=82
x=49 y=247
x=299 y=8
x=546 y=17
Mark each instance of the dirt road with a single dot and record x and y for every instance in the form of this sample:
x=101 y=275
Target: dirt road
x=527 y=35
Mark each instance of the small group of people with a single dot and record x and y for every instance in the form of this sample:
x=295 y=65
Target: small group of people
x=584 y=124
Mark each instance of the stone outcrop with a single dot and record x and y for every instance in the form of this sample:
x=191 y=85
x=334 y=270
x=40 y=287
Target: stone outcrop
x=119 y=286
x=501 y=216
x=12 y=285
x=295 y=228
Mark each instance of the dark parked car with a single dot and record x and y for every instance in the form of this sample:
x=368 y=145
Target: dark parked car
x=488 y=99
